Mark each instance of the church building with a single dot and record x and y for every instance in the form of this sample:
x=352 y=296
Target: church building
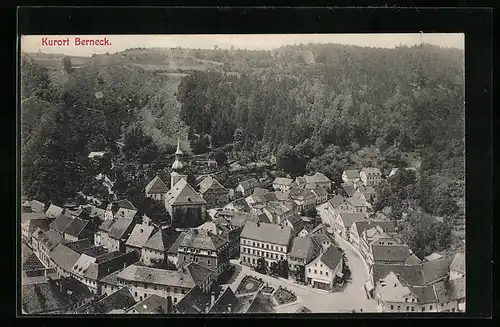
x=186 y=207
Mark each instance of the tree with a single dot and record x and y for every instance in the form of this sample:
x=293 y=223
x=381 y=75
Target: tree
x=219 y=156
x=68 y=67
x=288 y=160
x=261 y=266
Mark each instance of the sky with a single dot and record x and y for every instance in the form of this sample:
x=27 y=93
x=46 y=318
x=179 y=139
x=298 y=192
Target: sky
x=33 y=43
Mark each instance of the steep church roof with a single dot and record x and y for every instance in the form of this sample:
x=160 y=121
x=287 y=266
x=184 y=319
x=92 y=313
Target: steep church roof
x=156 y=186
x=182 y=193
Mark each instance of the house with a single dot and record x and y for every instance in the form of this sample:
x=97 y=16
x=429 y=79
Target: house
x=116 y=302
x=78 y=229
x=96 y=154
x=338 y=204
x=145 y=281
x=263 y=198
x=63 y=259
x=295 y=222
x=101 y=236
x=245 y=188
x=153 y=304
x=343 y=222
x=125 y=204
x=306 y=230
x=391 y=253
x=125 y=213
x=368 y=192
x=98 y=213
x=204 y=248
x=156 y=189
x=238 y=205
x=315 y=181
x=47 y=241
x=213 y=192
x=276 y=212
x=370 y=176
x=358 y=227
x=282 y=196
x=323 y=271
x=31 y=224
x=231 y=233
x=457 y=266
x=262 y=240
x=282 y=184
x=91 y=269
x=321 y=195
x=119 y=233
x=303 y=198
x=37 y=206
x=347 y=189
x=186 y=207
x=54 y=296
x=356 y=204
x=53 y=211
x=417 y=288
x=198 y=302
x=156 y=248
x=260 y=191
x=370 y=236
x=239 y=218
x=140 y=235
x=172 y=253
x=302 y=252
x=110 y=284
x=348 y=176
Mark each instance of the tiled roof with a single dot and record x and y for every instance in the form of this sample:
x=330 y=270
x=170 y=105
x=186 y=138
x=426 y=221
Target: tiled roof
x=173 y=248
x=301 y=247
x=120 y=228
x=387 y=226
x=27 y=216
x=121 y=299
x=371 y=171
x=156 y=186
x=240 y=205
x=450 y=290
x=210 y=183
x=198 y=273
x=125 y=204
x=267 y=233
x=38 y=298
x=31 y=262
x=182 y=193
x=97 y=212
x=351 y=173
x=331 y=257
x=162 y=240
x=281 y=196
x=249 y=184
x=424 y=294
x=357 y=202
x=350 y=218
x=414 y=275
x=102 y=267
x=64 y=257
x=295 y=220
x=458 y=263
x=53 y=211
x=336 y=201
x=25 y=251
x=37 y=206
x=61 y=223
x=260 y=191
x=156 y=276
x=433 y=270
x=140 y=235
x=195 y=301
x=320 y=191
x=111 y=278
x=392 y=253
x=34 y=224
x=107 y=225
x=125 y=213
x=82 y=265
x=80 y=245
x=95 y=251
x=240 y=218
x=349 y=188
x=202 y=239
x=283 y=181
x=153 y=304
x=226 y=298
x=413 y=260
x=51 y=239
x=76 y=227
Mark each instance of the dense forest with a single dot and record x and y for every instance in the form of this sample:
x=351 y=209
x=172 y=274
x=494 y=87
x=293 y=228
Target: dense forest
x=315 y=107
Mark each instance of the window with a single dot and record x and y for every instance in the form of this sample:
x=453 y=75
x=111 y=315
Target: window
x=452 y=309
x=321 y=272
x=253 y=260
x=168 y=289
x=253 y=243
x=183 y=291
x=407 y=308
x=281 y=257
x=326 y=273
x=423 y=309
x=412 y=300
x=430 y=307
x=243 y=258
x=406 y=299
x=175 y=300
x=321 y=265
x=412 y=309
x=442 y=304
x=175 y=290
x=399 y=307
x=253 y=251
x=315 y=271
x=309 y=269
x=392 y=307
x=208 y=262
x=196 y=259
x=140 y=298
x=135 y=294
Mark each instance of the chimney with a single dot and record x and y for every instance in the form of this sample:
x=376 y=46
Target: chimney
x=212 y=299
x=229 y=308
x=61 y=286
x=207 y=309
x=124 y=265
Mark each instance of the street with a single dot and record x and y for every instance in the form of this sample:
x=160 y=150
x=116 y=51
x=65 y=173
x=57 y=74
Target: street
x=352 y=298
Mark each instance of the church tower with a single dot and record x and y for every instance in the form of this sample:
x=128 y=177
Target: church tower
x=177 y=166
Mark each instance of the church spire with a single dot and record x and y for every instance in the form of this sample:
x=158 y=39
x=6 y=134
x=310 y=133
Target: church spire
x=177 y=166
x=179 y=151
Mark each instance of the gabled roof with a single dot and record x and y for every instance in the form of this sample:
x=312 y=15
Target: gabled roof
x=111 y=278
x=210 y=183
x=320 y=191
x=81 y=245
x=371 y=171
x=53 y=211
x=300 y=193
x=226 y=298
x=424 y=294
x=107 y=225
x=76 y=227
x=283 y=181
x=414 y=275
x=249 y=184
x=350 y=218
x=413 y=260
x=156 y=276
x=153 y=304
x=267 y=233
x=156 y=186
x=348 y=188
x=330 y=257
x=433 y=256
x=198 y=273
x=195 y=301
x=295 y=220
x=357 y=202
x=39 y=223
x=337 y=201
x=125 y=204
x=386 y=226
x=37 y=298
x=50 y=239
x=61 y=223
x=27 y=216
x=281 y=196
x=351 y=174
x=140 y=235
x=458 y=263
x=37 y=206
x=109 y=263
x=162 y=239
x=97 y=212
x=260 y=191
x=31 y=262
x=173 y=248
x=450 y=290
x=301 y=247
x=121 y=299
x=436 y=269
x=391 y=253
x=64 y=257
x=240 y=205
x=239 y=218
x=202 y=239
x=119 y=228
x=82 y=265
x=182 y=193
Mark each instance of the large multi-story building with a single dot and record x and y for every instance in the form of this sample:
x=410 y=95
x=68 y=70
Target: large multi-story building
x=370 y=176
x=263 y=240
